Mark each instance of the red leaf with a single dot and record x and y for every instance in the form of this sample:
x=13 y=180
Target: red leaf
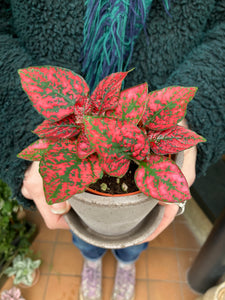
x=65 y=128
x=109 y=135
x=36 y=150
x=132 y=103
x=53 y=90
x=64 y=174
x=160 y=178
x=173 y=140
x=106 y=94
x=84 y=148
x=167 y=107
x=82 y=107
x=115 y=165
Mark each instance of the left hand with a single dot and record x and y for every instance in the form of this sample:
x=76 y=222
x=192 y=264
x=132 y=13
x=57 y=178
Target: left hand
x=188 y=169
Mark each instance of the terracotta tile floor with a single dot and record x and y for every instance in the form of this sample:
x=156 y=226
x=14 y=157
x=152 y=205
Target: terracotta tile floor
x=161 y=269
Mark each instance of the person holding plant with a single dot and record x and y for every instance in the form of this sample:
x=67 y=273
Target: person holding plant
x=167 y=43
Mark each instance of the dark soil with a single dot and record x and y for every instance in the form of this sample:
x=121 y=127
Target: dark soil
x=114 y=185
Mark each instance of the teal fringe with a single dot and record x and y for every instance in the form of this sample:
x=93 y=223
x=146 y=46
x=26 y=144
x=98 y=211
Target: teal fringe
x=110 y=30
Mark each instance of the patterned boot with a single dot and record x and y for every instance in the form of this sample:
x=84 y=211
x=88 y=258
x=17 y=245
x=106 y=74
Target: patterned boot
x=124 y=282
x=91 y=282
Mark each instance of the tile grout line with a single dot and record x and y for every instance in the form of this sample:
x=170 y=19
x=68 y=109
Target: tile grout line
x=165 y=248
x=178 y=261
x=51 y=264
x=148 y=292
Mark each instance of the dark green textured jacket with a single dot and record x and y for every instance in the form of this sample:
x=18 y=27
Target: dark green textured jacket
x=186 y=48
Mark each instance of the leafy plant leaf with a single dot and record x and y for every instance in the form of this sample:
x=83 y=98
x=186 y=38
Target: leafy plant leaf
x=173 y=140
x=106 y=94
x=167 y=107
x=64 y=174
x=131 y=105
x=83 y=106
x=53 y=90
x=65 y=128
x=115 y=164
x=36 y=150
x=123 y=137
x=84 y=148
x=160 y=178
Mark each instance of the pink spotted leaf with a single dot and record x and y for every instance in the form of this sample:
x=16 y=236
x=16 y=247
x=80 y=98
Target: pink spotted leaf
x=167 y=107
x=110 y=135
x=84 y=148
x=106 y=94
x=65 y=128
x=173 y=140
x=36 y=150
x=53 y=90
x=132 y=103
x=64 y=174
x=82 y=107
x=115 y=164
x=160 y=178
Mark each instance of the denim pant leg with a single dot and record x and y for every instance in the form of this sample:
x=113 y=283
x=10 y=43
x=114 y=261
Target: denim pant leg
x=129 y=254
x=89 y=251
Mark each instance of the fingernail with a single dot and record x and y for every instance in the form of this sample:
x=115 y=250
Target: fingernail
x=59 y=208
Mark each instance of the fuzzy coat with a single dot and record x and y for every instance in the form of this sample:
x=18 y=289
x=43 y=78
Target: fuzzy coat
x=186 y=48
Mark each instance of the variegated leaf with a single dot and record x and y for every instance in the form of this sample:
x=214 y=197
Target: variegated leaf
x=64 y=174
x=160 y=178
x=167 y=107
x=132 y=104
x=105 y=96
x=82 y=107
x=84 y=148
x=108 y=134
x=115 y=165
x=173 y=140
x=36 y=150
x=65 y=128
x=53 y=90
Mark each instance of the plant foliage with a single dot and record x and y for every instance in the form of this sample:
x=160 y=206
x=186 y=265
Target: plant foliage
x=84 y=136
x=15 y=234
x=12 y=294
x=23 y=269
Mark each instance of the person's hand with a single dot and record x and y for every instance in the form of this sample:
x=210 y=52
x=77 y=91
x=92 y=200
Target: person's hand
x=33 y=189
x=188 y=169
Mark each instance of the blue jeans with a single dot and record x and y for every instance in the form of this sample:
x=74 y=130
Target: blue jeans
x=125 y=255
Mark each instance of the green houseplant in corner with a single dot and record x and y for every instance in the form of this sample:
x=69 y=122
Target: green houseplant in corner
x=24 y=270
x=84 y=137
x=15 y=233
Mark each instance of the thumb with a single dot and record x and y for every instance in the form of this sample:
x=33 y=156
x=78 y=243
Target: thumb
x=60 y=208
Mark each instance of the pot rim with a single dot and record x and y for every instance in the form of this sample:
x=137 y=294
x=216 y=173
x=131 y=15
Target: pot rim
x=111 y=195
x=99 y=200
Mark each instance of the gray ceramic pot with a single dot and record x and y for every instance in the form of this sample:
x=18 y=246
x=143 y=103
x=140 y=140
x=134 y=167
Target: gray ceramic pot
x=114 y=222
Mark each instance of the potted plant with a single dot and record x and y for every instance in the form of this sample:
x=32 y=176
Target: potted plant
x=24 y=270
x=86 y=137
x=15 y=232
x=13 y=294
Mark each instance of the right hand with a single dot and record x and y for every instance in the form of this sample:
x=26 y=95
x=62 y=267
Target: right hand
x=33 y=189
